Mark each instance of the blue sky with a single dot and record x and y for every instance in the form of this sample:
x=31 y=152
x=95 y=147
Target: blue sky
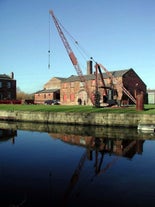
x=119 y=34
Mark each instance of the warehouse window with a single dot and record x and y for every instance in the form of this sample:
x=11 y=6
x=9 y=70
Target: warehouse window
x=64 y=97
x=9 y=84
x=72 y=97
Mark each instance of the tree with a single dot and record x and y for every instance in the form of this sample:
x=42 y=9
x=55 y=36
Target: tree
x=23 y=96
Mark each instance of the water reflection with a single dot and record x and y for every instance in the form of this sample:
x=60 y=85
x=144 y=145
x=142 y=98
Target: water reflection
x=6 y=134
x=50 y=165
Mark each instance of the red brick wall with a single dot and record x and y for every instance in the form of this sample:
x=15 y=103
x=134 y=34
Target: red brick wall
x=71 y=91
x=39 y=98
x=77 y=90
x=133 y=83
x=53 y=83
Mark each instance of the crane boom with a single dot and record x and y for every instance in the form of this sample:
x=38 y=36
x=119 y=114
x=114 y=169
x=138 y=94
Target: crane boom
x=72 y=56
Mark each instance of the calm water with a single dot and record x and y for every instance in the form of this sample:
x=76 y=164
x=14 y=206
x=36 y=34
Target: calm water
x=57 y=165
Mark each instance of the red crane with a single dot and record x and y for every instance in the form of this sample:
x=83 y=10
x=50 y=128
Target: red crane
x=72 y=57
x=78 y=69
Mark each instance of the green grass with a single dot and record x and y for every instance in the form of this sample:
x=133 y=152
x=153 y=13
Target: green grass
x=148 y=109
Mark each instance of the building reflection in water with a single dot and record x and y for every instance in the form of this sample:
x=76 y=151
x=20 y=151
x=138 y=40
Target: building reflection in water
x=98 y=147
x=8 y=134
x=97 y=142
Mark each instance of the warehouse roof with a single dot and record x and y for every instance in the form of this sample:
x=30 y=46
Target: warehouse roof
x=118 y=73
x=4 y=76
x=48 y=90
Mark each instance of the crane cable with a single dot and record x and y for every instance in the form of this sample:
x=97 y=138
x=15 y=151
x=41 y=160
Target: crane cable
x=49 y=44
x=81 y=50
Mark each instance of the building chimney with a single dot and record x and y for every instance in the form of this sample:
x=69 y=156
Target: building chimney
x=89 y=67
x=12 y=75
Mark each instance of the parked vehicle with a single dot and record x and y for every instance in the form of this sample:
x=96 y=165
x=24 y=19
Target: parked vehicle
x=52 y=102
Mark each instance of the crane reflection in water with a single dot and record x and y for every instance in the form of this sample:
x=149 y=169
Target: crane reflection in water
x=75 y=158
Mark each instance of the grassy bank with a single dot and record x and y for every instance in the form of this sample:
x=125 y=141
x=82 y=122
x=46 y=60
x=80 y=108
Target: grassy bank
x=148 y=109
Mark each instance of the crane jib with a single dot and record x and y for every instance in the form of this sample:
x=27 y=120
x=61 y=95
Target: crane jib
x=73 y=58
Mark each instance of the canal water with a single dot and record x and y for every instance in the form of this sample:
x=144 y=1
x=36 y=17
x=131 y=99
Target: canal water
x=75 y=166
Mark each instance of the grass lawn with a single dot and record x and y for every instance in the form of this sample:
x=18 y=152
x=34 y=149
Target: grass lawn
x=148 y=109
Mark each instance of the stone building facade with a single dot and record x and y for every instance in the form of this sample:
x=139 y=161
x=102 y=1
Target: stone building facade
x=7 y=87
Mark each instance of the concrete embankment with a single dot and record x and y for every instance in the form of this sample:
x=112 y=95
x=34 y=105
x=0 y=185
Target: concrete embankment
x=97 y=119
x=76 y=132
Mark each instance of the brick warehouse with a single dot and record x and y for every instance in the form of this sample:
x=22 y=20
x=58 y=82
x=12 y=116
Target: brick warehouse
x=70 y=89
x=7 y=87
x=51 y=91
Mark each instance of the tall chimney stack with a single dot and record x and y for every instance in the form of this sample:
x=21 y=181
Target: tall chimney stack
x=12 y=75
x=89 y=67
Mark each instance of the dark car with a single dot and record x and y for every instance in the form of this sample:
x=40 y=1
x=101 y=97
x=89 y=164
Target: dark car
x=52 y=102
